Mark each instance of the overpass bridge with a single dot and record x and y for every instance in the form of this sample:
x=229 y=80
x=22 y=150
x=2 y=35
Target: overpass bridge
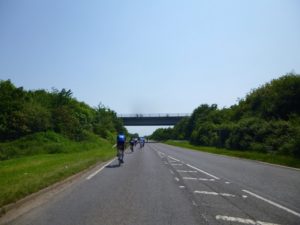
x=159 y=119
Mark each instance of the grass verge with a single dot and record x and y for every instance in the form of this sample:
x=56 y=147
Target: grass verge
x=264 y=157
x=22 y=176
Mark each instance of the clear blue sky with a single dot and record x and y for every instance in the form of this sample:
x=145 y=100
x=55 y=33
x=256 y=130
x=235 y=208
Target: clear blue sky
x=149 y=56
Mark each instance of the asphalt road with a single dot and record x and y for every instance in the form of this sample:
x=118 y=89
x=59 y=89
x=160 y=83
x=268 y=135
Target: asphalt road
x=162 y=184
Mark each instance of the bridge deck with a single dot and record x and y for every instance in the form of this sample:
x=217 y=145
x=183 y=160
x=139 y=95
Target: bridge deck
x=152 y=119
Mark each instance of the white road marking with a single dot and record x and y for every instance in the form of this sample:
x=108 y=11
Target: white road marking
x=213 y=193
x=171 y=172
x=176 y=178
x=177 y=160
x=244 y=196
x=202 y=171
x=182 y=187
x=161 y=155
x=97 y=171
x=242 y=220
x=273 y=203
x=176 y=164
x=205 y=179
x=194 y=178
x=227 y=182
x=189 y=178
x=187 y=171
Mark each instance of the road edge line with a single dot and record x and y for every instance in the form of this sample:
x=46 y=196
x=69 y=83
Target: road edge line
x=99 y=170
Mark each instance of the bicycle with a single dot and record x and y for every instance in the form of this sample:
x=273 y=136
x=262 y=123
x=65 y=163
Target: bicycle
x=120 y=155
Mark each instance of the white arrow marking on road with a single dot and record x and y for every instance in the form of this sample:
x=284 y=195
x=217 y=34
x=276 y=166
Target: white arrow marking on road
x=242 y=220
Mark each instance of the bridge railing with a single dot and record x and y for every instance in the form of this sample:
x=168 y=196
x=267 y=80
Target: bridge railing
x=138 y=115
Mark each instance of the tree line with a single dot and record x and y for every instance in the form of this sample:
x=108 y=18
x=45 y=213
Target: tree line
x=26 y=112
x=266 y=120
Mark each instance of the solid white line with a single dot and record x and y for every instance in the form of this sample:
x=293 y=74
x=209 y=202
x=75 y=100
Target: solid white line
x=217 y=178
x=93 y=174
x=242 y=220
x=214 y=193
x=273 y=203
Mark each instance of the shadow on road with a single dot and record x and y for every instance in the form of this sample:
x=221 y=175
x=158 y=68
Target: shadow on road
x=113 y=166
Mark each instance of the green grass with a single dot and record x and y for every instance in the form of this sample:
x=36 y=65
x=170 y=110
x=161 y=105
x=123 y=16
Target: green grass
x=264 y=157
x=22 y=176
x=47 y=142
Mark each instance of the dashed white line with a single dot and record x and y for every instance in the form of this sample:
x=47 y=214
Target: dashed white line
x=171 y=172
x=177 y=160
x=176 y=178
x=213 y=193
x=181 y=187
x=273 y=203
x=190 y=178
x=176 y=164
x=161 y=153
x=202 y=171
x=205 y=179
x=194 y=178
x=242 y=220
x=97 y=171
x=194 y=203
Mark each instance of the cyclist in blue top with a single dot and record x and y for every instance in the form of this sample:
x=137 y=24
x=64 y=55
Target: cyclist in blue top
x=121 y=140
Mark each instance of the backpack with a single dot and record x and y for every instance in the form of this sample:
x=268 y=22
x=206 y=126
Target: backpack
x=121 y=138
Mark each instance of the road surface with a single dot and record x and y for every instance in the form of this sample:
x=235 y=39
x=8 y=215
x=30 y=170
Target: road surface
x=162 y=184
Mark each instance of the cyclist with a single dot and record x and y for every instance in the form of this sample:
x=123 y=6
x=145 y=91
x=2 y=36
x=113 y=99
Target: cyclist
x=121 y=139
x=142 y=142
x=131 y=142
